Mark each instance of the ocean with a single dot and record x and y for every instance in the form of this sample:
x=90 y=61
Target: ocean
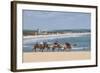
x=79 y=42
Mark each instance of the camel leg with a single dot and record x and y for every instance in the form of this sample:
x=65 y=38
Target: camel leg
x=69 y=49
x=42 y=49
x=48 y=48
x=59 y=48
x=35 y=49
x=53 y=49
x=64 y=49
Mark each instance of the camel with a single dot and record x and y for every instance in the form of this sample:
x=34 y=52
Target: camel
x=56 y=45
x=67 y=46
x=42 y=46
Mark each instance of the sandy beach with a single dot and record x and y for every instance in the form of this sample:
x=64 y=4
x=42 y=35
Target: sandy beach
x=55 y=56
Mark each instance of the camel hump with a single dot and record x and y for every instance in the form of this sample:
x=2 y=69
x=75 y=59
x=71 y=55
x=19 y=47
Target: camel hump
x=68 y=45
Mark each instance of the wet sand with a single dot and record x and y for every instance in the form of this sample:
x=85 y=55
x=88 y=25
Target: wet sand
x=55 y=56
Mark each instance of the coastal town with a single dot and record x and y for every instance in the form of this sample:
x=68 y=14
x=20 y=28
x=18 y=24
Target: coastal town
x=42 y=32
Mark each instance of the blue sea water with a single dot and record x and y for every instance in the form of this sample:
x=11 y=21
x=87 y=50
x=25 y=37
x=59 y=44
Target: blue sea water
x=78 y=43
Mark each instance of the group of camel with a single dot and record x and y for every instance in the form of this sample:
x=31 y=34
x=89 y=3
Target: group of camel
x=54 y=46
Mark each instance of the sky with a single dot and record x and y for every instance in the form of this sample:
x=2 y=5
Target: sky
x=55 y=20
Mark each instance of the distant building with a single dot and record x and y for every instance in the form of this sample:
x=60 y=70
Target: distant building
x=38 y=31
